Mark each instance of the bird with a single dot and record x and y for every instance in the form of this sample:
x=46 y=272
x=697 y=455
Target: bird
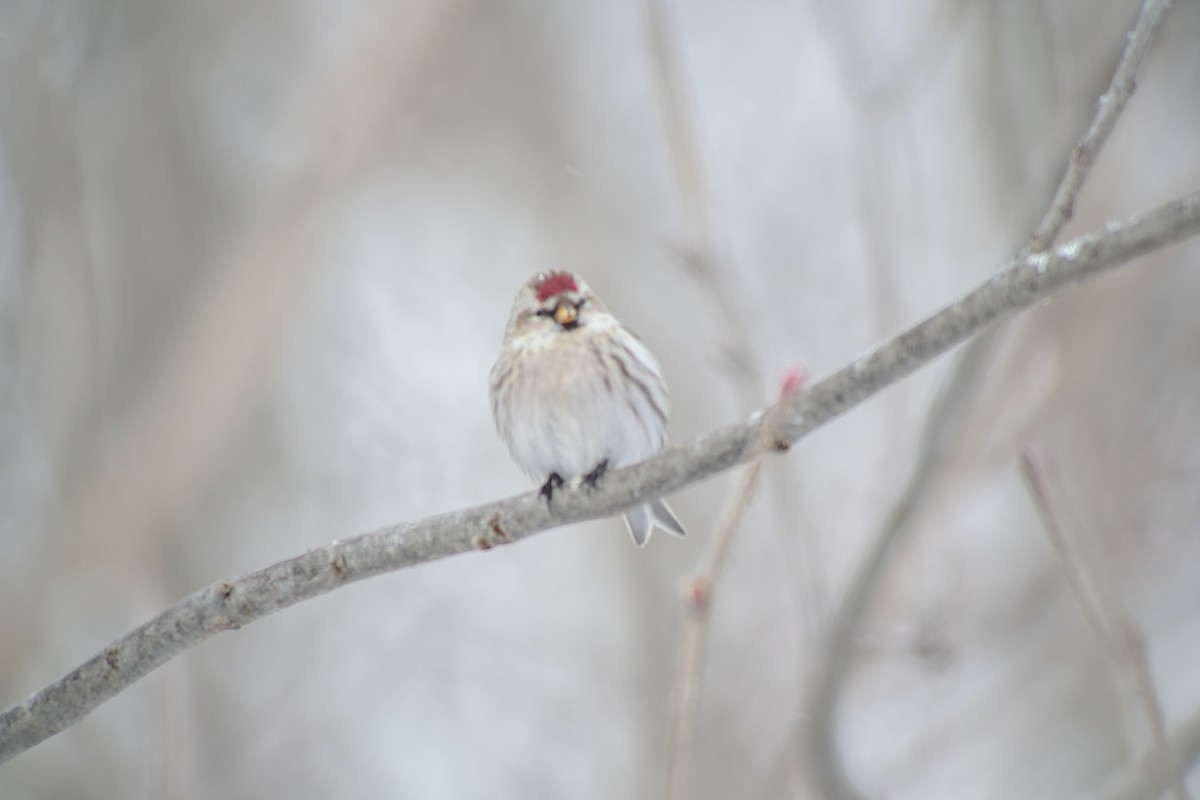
x=575 y=393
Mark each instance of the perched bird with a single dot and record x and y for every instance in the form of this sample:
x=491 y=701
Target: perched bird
x=574 y=393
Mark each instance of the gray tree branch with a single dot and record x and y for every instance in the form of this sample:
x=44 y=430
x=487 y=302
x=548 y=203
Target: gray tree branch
x=698 y=598
x=1016 y=285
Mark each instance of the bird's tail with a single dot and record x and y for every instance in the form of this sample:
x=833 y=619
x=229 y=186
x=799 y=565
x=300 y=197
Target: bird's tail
x=641 y=521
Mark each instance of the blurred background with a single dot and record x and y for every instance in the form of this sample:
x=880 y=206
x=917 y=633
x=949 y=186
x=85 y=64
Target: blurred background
x=255 y=262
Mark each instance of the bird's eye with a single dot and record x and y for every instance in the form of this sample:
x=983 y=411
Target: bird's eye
x=542 y=312
x=579 y=305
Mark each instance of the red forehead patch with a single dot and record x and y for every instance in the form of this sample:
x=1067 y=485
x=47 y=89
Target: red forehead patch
x=555 y=283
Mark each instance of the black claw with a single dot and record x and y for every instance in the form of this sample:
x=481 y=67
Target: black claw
x=590 y=479
x=553 y=482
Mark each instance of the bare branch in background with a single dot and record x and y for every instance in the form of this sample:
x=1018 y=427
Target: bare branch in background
x=703 y=255
x=940 y=429
x=891 y=88
x=1150 y=775
x=701 y=252
x=217 y=356
x=698 y=599
x=1110 y=621
x=226 y=605
x=879 y=99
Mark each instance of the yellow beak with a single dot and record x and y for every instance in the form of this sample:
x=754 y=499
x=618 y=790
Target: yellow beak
x=565 y=313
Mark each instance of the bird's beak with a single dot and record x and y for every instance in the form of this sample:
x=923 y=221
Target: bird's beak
x=565 y=313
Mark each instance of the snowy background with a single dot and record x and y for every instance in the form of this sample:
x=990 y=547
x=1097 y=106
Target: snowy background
x=255 y=262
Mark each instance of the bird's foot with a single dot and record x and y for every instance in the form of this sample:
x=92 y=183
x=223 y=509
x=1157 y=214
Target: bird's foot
x=553 y=482
x=590 y=479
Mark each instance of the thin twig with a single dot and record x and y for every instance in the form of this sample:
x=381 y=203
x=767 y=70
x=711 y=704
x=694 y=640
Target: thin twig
x=950 y=407
x=710 y=269
x=1108 y=618
x=698 y=601
x=1108 y=110
x=698 y=597
x=1017 y=285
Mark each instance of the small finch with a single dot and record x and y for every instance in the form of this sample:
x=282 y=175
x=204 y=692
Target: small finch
x=574 y=393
